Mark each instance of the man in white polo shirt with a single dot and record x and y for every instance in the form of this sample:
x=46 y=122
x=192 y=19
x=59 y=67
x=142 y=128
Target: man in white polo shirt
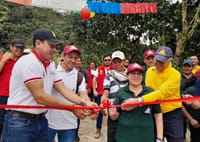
x=33 y=78
x=61 y=122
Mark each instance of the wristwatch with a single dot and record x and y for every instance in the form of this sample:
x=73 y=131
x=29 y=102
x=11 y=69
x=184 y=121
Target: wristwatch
x=140 y=100
x=159 y=140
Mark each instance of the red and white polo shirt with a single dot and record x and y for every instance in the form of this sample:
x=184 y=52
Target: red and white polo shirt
x=27 y=69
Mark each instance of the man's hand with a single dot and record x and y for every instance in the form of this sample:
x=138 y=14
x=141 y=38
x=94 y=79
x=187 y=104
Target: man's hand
x=129 y=101
x=113 y=113
x=79 y=113
x=7 y=56
x=93 y=112
x=194 y=123
x=103 y=111
x=89 y=90
x=188 y=96
x=95 y=93
x=94 y=115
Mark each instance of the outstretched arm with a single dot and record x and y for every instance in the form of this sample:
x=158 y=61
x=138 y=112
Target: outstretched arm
x=159 y=125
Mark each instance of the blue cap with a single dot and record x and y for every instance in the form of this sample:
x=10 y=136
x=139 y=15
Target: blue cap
x=163 y=53
x=188 y=62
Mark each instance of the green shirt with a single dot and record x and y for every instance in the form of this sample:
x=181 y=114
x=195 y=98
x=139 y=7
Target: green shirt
x=136 y=125
x=195 y=113
x=187 y=89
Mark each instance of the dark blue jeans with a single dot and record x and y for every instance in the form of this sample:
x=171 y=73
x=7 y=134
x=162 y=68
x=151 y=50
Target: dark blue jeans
x=63 y=135
x=174 y=126
x=24 y=130
x=3 y=101
x=100 y=115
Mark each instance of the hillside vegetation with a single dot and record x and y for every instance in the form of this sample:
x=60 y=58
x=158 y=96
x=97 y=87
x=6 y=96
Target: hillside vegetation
x=105 y=33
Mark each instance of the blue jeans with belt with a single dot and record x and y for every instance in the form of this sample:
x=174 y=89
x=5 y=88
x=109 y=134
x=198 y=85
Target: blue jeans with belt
x=17 y=129
x=63 y=135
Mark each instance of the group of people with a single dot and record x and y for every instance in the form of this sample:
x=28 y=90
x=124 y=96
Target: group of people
x=34 y=79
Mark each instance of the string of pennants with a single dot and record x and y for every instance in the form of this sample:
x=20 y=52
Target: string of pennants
x=121 y=8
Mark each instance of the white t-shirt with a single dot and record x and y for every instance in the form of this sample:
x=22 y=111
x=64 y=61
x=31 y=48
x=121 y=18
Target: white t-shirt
x=27 y=69
x=62 y=119
x=96 y=72
x=93 y=72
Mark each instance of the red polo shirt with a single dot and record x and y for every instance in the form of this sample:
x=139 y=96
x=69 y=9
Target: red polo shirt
x=5 y=76
x=89 y=75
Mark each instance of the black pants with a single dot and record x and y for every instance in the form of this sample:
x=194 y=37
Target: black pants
x=111 y=130
x=78 y=125
x=91 y=95
x=194 y=134
x=3 y=101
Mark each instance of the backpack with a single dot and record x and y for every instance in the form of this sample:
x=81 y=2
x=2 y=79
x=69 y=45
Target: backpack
x=79 y=80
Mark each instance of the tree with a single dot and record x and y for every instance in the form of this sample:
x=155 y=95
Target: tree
x=188 y=27
x=109 y=32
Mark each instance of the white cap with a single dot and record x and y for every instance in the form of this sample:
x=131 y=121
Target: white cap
x=27 y=50
x=118 y=54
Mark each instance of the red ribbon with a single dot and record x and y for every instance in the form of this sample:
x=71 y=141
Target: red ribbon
x=105 y=105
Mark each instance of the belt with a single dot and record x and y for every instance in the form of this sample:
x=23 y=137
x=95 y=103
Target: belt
x=173 y=111
x=26 y=115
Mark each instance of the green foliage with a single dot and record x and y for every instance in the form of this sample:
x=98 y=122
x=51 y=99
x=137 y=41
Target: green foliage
x=176 y=66
x=102 y=34
x=193 y=46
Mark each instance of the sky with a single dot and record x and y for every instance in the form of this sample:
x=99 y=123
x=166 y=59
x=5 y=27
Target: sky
x=66 y=5
x=71 y=5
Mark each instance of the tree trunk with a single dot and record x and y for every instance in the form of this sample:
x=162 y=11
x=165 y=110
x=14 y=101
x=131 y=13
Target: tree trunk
x=181 y=37
x=186 y=34
x=180 y=46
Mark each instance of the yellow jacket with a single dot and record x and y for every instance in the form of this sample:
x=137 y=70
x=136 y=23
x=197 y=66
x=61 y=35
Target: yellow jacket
x=166 y=86
x=195 y=69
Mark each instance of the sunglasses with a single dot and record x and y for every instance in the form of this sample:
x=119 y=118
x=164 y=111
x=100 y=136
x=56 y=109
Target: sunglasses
x=107 y=60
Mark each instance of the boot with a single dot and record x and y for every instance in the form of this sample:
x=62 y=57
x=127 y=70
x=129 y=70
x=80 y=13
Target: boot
x=97 y=134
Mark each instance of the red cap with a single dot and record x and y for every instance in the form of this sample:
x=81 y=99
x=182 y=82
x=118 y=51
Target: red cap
x=70 y=48
x=149 y=53
x=133 y=67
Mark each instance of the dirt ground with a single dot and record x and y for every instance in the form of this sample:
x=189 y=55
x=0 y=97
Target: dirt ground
x=88 y=128
x=87 y=131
